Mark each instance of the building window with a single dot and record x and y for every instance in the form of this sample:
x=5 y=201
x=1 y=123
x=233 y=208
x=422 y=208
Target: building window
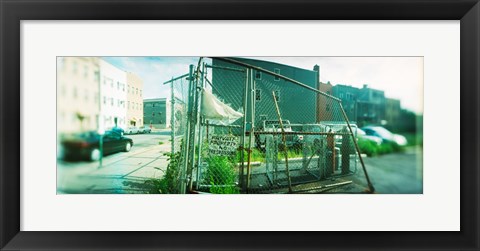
x=104 y=100
x=153 y=104
x=86 y=95
x=140 y=93
x=97 y=76
x=75 y=93
x=258 y=95
x=85 y=71
x=111 y=101
x=128 y=105
x=128 y=88
x=136 y=90
x=258 y=75
x=349 y=96
x=341 y=95
x=277 y=71
x=277 y=95
x=118 y=85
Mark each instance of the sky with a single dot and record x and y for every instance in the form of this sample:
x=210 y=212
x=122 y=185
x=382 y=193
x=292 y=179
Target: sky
x=154 y=71
x=400 y=77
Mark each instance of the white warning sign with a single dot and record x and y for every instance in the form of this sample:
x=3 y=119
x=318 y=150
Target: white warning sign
x=222 y=145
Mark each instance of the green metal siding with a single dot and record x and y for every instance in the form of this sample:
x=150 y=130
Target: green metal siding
x=296 y=104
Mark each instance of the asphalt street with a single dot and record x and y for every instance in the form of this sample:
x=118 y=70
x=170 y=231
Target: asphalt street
x=396 y=173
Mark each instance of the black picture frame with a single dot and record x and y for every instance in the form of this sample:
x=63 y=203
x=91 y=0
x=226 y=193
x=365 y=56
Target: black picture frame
x=13 y=11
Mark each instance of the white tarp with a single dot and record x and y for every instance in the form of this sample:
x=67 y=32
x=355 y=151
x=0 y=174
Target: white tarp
x=216 y=111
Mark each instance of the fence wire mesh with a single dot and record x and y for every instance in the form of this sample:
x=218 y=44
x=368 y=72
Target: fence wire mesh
x=222 y=140
x=179 y=103
x=289 y=138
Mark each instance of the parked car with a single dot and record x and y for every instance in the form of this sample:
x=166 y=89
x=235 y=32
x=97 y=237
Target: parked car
x=119 y=130
x=132 y=130
x=361 y=134
x=145 y=129
x=86 y=146
x=385 y=135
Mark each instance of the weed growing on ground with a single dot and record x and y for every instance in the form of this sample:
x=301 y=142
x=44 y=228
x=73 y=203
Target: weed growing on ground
x=221 y=175
x=169 y=183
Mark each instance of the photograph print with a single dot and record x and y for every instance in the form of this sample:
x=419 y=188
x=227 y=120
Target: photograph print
x=239 y=125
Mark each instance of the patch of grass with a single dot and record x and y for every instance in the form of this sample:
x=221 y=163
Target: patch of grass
x=290 y=154
x=372 y=149
x=256 y=155
x=414 y=139
x=221 y=175
x=160 y=142
x=368 y=147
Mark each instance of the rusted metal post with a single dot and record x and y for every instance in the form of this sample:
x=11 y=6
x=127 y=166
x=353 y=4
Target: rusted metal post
x=241 y=174
x=284 y=143
x=252 y=127
x=370 y=185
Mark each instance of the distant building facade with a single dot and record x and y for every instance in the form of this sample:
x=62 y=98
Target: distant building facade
x=92 y=94
x=362 y=106
x=298 y=105
x=134 y=100
x=156 y=112
x=114 y=95
x=370 y=106
x=349 y=96
x=392 y=113
x=77 y=94
x=325 y=104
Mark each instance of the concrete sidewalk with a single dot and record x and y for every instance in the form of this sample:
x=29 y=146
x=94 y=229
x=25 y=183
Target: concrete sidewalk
x=120 y=173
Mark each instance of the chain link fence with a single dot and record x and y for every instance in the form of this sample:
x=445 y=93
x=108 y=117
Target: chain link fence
x=222 y=157
x=179 y=103
x=242 y=128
